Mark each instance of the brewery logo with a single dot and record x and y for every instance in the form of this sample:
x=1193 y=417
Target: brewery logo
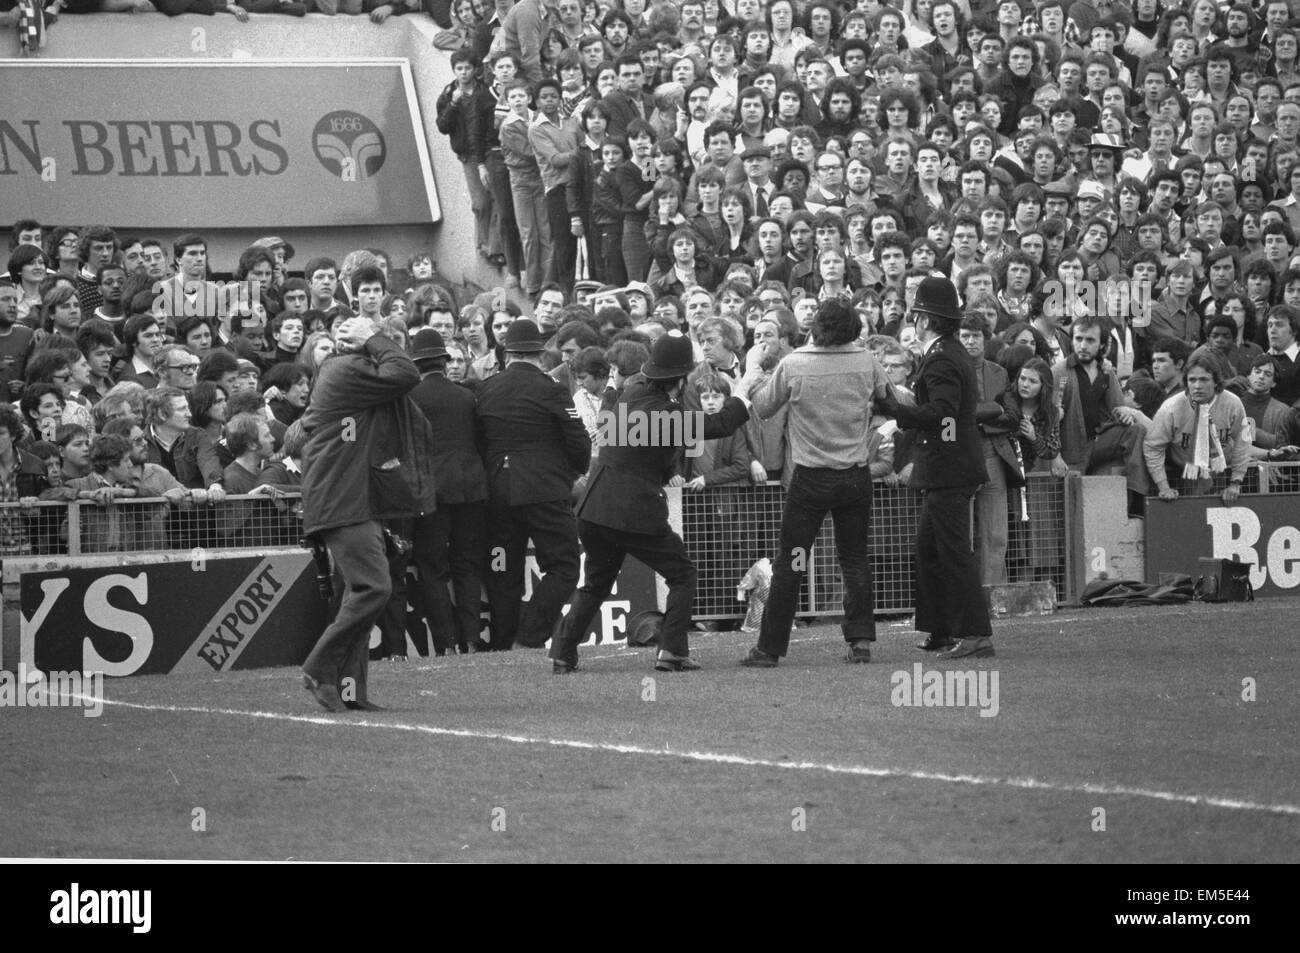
x=349 y=145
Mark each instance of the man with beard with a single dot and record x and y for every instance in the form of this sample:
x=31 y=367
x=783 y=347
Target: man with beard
x=1097 y=427
x=840 y=107
x=1239 y=22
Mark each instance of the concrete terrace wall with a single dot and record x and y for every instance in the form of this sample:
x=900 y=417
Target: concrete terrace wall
x=154 y=36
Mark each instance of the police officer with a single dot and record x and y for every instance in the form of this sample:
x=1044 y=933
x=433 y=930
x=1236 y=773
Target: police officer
x=535 y=446
x=624 y=510
x=450 y=542
x=948 y=468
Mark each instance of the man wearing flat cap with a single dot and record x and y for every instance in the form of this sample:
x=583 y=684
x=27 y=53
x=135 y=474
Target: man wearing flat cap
x=947 y=467
x=535 y=446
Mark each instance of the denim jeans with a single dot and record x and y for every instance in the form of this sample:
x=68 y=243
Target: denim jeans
x=846 y=494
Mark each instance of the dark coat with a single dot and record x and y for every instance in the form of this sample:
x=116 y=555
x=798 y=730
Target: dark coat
x=625 y=489
x=946 y=399
x=454 y=119
x=196 y=463
x=528 y=426
x=358 y=424
x=457 y=468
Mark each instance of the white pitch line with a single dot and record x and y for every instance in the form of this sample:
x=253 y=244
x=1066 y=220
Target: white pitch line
x=712 y=757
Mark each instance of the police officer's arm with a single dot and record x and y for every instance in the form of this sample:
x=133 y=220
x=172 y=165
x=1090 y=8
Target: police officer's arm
x=943 y=385
x=577 y=444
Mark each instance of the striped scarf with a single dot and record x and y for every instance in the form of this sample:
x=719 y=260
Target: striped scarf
x=31 y=26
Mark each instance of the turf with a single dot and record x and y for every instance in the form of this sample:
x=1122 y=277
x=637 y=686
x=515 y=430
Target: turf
x=481 y=759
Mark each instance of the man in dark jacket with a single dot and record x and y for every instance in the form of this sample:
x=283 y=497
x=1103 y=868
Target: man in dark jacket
x=455 y=111
x=624 y=510
x=947 y=467
x=366 y=461
x=450 y=542
x=535 y=446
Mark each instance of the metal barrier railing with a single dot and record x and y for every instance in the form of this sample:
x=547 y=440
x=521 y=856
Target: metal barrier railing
x=727 y=529
x=149 y=525
x=1261 y=477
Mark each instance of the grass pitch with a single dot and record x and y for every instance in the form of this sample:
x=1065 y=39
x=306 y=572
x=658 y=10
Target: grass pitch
x=1136 y=713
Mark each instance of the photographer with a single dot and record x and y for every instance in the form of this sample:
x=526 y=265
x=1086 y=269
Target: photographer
x=366 y=461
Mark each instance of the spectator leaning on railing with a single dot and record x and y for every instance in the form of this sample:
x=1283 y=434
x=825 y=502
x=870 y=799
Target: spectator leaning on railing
x=1199 y=434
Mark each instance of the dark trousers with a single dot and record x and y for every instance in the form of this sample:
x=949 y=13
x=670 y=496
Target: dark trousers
x=565 y=252
x=449 y=547
x=554 y=533
x=814 y=491
x=504 y=200
x=611 y=254
x=360 y=565
x=949 y=597
x=605 y=550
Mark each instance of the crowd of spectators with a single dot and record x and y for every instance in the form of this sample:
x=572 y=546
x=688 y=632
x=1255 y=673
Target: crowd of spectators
x=1114 y=190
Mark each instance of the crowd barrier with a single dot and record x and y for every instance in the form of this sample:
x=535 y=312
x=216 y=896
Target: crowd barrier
x=727 y=529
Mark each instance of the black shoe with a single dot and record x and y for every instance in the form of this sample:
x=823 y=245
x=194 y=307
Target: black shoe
x=365 y=706
x=562 y=668
x=757 y=658
x=667 y=662
x=326 y=695
x=979 y=647
x=859 y=651
x=480 y=645
x=936 y=643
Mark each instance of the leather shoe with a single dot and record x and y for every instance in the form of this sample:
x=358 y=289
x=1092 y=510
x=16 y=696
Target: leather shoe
x=757 y=658
x=523 y=642
x=936 y=643
x=365 y=705
x=327 y=695
x=980 y=646
x=859 y=651
x=559 y=667
x=667 y=662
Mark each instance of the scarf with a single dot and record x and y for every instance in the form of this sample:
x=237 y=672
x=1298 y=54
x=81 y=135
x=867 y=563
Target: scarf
x=1207 y=453
x=31 y=27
